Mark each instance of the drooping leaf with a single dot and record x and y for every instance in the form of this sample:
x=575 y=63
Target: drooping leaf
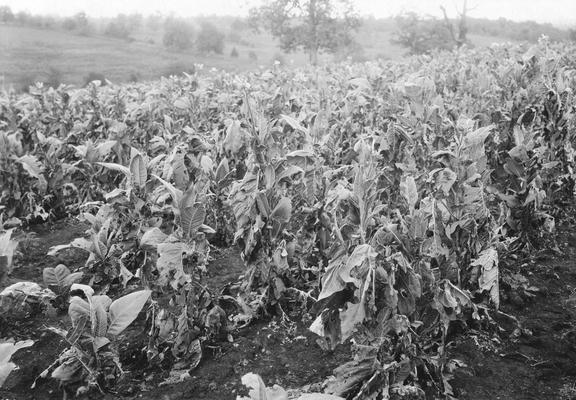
x=78 y=309
x=125 y=310
x=87 y=290
x=78 y=243
x=175 y=193
x=116 y=167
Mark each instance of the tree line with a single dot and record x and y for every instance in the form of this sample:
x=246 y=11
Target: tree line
x=176 y=33
x=311 y=26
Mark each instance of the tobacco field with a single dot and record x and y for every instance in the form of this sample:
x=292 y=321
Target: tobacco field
x=355 y=231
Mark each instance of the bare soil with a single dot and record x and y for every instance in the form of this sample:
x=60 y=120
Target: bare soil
x=533 y=358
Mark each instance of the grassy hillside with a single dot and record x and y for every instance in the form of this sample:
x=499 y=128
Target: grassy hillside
x=30 y=54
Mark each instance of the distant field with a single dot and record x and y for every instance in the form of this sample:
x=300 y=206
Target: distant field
x=29 y=54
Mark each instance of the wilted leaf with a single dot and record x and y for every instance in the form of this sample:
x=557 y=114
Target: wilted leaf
x=175 y=193
x=125 y=310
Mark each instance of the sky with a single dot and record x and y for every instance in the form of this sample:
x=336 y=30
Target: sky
x=554 y=11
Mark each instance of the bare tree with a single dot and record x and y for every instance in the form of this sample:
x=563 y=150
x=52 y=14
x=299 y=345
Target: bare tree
x=459 y=37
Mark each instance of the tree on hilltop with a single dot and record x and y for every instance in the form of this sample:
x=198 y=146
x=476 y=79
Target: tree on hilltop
x=315 y=26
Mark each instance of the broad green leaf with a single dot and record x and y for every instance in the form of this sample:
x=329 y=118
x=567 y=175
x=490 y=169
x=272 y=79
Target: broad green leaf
x=73 y=278
x=191 y=218
x=87 y=290
x=56 y=276
x=297 y=126
x=67 y=370
x=32 y=165
x=283 y=210
x=152 y=238
x=138 y=171
x=125 y=310
x=183 y=103
x=78 y=243
x=170 y=263
x=179 y=169
x=7 y=249
x=409 y=191
x=7 y=349
x=99 y=315
x=188 y=198
x=235 y=139
x=222 y=170
x=256 y=386
x=474 y=142
x=207 y=164
x=77 y=309
x=100 y=341
x=445 y=179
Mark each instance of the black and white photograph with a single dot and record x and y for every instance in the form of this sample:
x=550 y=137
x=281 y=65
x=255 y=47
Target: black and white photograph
x=288 y=199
